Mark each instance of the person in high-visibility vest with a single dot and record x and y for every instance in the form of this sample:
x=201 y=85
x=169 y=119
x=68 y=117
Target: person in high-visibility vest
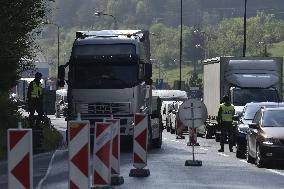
x=35 y=98
x=225 y=121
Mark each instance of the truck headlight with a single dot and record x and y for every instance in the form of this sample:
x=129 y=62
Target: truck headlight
x=271 y=141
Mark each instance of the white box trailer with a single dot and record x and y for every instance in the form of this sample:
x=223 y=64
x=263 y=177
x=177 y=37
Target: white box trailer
x=243 y=79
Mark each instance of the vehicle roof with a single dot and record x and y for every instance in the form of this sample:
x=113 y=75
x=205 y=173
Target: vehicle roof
x=108 y=37
x=253 y=104
x=170 y=94
x=62 y=92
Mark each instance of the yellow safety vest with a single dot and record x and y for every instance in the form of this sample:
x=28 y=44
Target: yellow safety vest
x=36 y=90
x=227 y=112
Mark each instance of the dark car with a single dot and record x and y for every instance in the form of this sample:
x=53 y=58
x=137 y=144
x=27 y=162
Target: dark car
x=246 y=118
x=265 y=138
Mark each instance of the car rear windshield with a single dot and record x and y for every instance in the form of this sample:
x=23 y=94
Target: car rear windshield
x=274 y=118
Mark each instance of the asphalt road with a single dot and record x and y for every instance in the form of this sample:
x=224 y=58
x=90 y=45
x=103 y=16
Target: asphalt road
x=219 y=170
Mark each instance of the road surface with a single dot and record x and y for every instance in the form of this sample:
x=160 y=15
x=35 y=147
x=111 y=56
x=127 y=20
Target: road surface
x=219 y=170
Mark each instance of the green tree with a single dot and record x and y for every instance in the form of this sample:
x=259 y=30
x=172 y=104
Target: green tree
x=226 y=38
x=18 y=20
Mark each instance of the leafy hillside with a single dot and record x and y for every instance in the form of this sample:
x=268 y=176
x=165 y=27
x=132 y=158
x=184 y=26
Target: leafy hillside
x=211 y=27
x=277 y=49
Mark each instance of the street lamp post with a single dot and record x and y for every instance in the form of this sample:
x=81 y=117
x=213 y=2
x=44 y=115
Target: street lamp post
x=100 y=13
x=245 y=30
x=180 y=46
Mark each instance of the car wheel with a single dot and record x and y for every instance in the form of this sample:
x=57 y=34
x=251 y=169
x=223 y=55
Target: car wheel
x=217 y=137
x=173 y=131
x=239 y=154
x=248 y=157
x=259 y=160
x=207 y=134
x=167 y=126
x=168 y=129
x=157 y=143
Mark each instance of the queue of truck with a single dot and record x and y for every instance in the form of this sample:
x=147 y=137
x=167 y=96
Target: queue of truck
x=110 y=76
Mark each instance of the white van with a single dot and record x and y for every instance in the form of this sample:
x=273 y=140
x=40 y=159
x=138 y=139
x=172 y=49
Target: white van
x=168 y=98
x=167 y=107
x=61 y=103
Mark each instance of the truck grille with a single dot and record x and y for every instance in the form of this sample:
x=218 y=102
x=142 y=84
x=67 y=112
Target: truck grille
x=105 y=108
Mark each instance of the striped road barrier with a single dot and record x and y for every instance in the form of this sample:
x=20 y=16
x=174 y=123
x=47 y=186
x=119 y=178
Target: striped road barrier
x=20 y=159
x=102 y=153
x=79 y=153
x=116 y=179
x=140 y=142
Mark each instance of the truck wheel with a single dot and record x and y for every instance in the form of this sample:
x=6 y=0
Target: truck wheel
x=217 y=137
x=157 y=143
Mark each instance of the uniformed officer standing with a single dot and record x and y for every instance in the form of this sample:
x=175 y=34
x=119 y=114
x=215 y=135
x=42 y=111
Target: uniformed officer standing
x=225 y=121
x=35 y=98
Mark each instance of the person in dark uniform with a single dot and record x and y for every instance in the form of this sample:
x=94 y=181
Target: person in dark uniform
x=35 y=99
x=225 y=121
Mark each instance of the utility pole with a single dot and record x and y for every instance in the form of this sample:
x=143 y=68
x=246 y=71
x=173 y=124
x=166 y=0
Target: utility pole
x=245 y=30
x=180 y=50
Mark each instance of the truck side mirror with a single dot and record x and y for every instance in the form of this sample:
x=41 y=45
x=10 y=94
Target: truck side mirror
x=148 y=71
x=61 y=75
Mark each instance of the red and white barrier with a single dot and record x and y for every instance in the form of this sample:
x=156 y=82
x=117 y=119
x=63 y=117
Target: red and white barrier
x=20 y=159
x=115 y=154
x=79 y=153
x=180 y=128
x=140 y=142
x=192 y=136
x=102 y=153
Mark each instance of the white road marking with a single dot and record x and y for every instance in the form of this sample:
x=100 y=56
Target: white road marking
x=176 y=141
x=225 y=155
x=276 y=172
x=173 y=140
x=203 y=149
x=244 y=161
x=47 y=172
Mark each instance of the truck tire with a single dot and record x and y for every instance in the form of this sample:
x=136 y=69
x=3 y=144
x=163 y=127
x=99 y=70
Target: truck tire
x=157 y=143
x=217 y=137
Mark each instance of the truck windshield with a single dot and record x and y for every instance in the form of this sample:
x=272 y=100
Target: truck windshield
x=104 y=50
x=105 y=76
x=243 y=96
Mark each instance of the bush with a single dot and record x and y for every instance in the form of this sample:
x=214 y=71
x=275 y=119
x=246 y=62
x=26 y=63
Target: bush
x=45 y=137
x=9 y=118
x=52 y=139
